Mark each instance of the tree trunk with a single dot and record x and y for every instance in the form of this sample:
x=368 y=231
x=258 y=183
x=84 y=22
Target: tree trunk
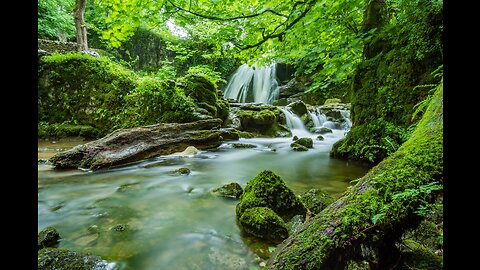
x=371 y=215
x=80 y=6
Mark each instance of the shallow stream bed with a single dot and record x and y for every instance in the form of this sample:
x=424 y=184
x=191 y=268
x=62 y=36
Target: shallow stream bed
x=145 y=216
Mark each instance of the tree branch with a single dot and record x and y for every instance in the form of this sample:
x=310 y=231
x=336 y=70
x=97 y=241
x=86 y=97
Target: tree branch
x=309 y=6
x=226 y=18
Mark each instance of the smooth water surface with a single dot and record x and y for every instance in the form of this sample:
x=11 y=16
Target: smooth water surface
x=144 y=216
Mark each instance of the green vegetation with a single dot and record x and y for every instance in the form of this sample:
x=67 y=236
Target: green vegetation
x=378 y=209
x=165 y=62
x=267 y=189
x=80 y=95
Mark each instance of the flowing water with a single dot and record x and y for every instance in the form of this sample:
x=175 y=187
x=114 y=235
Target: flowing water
x=253 y=84
x=146 y=216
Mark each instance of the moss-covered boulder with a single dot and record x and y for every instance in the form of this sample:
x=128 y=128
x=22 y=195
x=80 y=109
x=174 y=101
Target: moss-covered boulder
x=264 y=223
x=48 y=237
x=256 y=119
x=267 y=189
x=263 y=120
x=232 y=190
x=64 y=259
x=205 y=95
x=305 y=141
x=298 y=147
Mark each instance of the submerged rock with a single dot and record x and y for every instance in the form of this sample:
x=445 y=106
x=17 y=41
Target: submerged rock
x=181 y=171
x=130 y=145
x=232 y=190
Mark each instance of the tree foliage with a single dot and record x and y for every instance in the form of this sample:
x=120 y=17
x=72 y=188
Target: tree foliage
x=55 y=19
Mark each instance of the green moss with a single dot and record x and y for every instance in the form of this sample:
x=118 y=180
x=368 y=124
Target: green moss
x=316 y=200
x=416 y=256
x=269 y=190
x=379 y=207
x=306 y=142
x=383 y=95
x=298 y=147
x=49 y=258
x=82 y=89
x=264 y=223
x=48 y=237
x=232 y=190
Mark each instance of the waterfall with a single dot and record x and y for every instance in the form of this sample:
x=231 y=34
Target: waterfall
x=296 y=125
x=253 y=84
x=318 y=118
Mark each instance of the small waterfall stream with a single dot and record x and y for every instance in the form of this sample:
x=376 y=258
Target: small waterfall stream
x=253 y=84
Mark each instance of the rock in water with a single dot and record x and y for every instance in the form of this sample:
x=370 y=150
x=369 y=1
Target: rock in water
x=188 y=152
x=232 y=190
x=130 y=145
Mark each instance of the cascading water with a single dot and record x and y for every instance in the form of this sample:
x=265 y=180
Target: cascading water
x=253 y=84
x=317 y=117
x=296 y=125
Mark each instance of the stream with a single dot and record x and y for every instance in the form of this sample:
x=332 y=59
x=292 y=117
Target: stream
x=143 y=216
x=146 y=216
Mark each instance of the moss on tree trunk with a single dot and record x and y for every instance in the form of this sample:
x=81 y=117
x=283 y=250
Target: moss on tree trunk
x=373 y=213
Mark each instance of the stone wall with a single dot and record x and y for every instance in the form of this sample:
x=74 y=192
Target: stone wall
x=51 y=46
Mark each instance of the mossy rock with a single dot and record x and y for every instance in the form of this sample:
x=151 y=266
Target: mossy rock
x=298 y=147
x=416 y=256
x=316 y=200
x=243 y=145
x=205 y=95
x=264 y=223
x=305 y=141
x=48 y=237
x=64 y=259
x=332 y=101
x=267 y=189
x=181 y=171
x=298 y=107
x=324 y=130
x=256 y=119
x=232 y=190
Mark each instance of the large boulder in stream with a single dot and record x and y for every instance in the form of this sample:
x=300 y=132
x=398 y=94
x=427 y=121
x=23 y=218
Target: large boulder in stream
x=130 y=145
x=266 y=205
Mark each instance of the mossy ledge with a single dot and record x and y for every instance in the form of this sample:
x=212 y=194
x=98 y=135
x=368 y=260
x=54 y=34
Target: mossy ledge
x=377 y=210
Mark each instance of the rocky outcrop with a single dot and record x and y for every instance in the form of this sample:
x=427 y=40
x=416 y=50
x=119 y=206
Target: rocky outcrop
x=130 y=145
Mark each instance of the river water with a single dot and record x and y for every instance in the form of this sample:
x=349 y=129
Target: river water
x=144 y=216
